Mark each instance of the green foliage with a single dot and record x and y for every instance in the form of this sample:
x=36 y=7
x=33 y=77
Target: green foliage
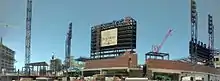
x=74 y=74
x=162 y=76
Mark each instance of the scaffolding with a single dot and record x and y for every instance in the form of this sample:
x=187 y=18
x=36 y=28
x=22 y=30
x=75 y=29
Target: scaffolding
x=155 y=55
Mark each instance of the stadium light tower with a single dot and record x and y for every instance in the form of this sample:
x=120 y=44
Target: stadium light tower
x=211 y=38
x=211 y=32
x=194 y=31
x=194 y=34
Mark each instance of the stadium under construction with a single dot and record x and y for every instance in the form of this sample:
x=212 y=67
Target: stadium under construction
x=113 y=53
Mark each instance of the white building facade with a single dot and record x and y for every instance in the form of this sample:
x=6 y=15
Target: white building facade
x=217 y=61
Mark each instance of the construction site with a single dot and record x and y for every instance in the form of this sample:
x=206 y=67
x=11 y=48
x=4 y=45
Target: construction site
x=113 y=56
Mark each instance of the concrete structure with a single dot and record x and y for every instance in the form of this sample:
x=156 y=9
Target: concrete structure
x=37 y=69
x=55 y=64
x=177 y=70
x=7 y=58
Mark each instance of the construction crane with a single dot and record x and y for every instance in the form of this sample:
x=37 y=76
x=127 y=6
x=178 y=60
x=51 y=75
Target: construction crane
x=68 y=47
x=156 y=49
x=28 y=37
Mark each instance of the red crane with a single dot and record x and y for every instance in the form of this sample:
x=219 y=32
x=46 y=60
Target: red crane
x=156 y=49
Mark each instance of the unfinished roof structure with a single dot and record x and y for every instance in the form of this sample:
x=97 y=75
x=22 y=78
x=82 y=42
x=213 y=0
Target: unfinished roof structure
x=180 y=66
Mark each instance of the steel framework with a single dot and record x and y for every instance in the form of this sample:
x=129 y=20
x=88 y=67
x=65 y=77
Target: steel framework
x=194 y=28
x=153 y=55
x=211 y=32
x=126 y=38
x=156 y=48
x=211 y=37
x=28 y=35
x=68 y=47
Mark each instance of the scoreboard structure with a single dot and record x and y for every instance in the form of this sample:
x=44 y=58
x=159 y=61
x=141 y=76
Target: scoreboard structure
x=200 y=52
x=112 y=39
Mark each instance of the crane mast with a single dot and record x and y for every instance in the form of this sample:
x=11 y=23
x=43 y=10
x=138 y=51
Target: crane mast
x=68 y=47
x=28 y=35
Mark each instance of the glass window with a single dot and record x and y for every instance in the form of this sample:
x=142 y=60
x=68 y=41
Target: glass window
x=216 y=59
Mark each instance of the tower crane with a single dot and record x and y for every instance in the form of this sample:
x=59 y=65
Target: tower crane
x=156 y=49
x=68 y=47
x=28 y=36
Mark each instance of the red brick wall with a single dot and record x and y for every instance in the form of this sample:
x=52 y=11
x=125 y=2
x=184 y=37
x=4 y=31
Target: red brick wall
x=177 y=65
x=121 y=61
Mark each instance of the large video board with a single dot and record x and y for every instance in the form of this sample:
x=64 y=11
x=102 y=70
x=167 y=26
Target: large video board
x=113 y=39
x=109 y=37
x=200 y=52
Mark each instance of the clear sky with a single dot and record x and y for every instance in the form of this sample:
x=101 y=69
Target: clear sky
x=51 y=17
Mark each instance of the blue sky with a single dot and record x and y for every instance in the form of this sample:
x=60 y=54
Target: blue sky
x=51 y=17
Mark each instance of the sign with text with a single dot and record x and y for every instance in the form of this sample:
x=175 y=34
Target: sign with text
x=109 y=37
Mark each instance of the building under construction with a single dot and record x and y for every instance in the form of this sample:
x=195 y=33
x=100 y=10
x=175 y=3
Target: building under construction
x=7 y=57
x=55 y=65
x=113 y=49
x=112 y=39
x=113 y=53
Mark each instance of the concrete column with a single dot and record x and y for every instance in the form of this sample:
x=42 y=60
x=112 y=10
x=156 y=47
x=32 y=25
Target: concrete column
x=100 y=71
x=82 y=73
x=192 y=78
x=180 y=77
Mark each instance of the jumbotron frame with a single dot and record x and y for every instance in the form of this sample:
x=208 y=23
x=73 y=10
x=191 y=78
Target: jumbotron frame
x=126 y=38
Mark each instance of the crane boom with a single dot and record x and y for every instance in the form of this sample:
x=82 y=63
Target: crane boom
x=165 y=38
